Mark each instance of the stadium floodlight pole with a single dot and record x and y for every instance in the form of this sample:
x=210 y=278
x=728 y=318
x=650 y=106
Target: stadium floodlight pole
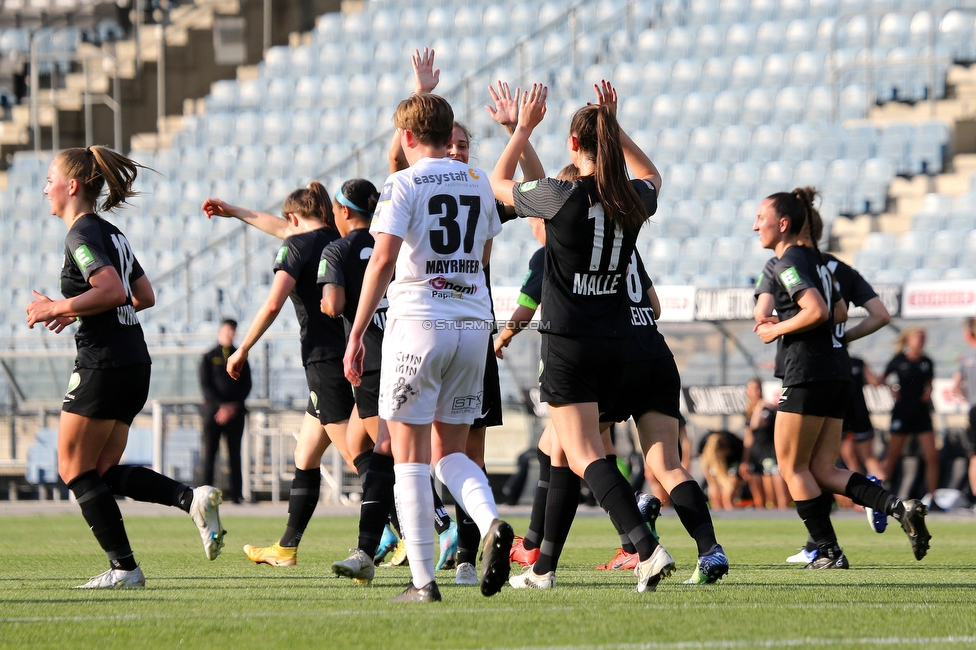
x=35 y=81
x=267 y=26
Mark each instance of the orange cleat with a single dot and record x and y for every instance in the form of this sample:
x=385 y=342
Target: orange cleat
x=622 y=560
x=522 y=555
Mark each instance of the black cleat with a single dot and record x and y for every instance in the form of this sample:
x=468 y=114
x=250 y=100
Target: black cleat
x=495 y=567
x=913 y=523
x=429 y=593
x=829 y=560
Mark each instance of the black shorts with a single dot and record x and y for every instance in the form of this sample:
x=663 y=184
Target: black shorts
x=330 y=397
x=576 y=370
x=762 y=460
x=368 y=394
x=857 y=420
x=825 y=399
x=653 y=385
x=108 y=393
x=491 y=400
x=971 y=433
x=910 y=418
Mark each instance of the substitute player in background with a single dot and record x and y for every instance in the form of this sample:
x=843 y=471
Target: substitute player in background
x=104 y=287
x=432 y=227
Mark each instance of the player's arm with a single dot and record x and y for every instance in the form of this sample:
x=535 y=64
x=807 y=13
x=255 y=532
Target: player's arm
x=655 y=302
x=106 y=293
x=263 y=221
x=519 y=320
x=143 y=296
x=379 y=273
x=531 y=111
x=813 y=312
x=333 y=299
x=281 y=286
x=640 y=165
x=425 y=78
x=877 y=318
x=505 y=112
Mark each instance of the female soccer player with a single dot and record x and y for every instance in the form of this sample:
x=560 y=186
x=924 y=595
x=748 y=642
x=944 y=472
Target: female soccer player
x=591 y=229
x=759 y=455
x=815 y=372
x=964 y=384
x=308 y=227
x=104 y=287
x=911 y=414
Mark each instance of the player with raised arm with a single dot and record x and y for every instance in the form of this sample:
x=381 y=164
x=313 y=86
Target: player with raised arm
x=432 y=226
x=104 y=287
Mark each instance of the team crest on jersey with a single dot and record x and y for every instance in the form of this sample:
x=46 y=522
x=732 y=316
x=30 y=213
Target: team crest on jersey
x=83 y=257
x=282 y=253
x=530 y=185
x=790 y=277
x=73 y=382
x=387 y=193
x=472 y=173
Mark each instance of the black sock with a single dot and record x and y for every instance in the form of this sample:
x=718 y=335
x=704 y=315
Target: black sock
x=865 y=493
x=811 y=545
x=362 y=465
x=374 y=512
x=817 y=520
x=143 y=484
x=442 y=521
x=302 y=499
x=537 y=520
x=625 y=543
x=469 y=537
x=692 y=509
x=102 y=513
x=614 y=495
x=561 y=503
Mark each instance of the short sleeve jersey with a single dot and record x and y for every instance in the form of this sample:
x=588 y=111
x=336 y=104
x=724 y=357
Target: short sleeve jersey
x=323 y=337
x=813 y=355
x=586 y=255
x=531 y=293
x=646 y=342
x=114 y=338
x=444 y=211
x=967 y=368
x=913 y=376
x=343 y=264
x=853 y=287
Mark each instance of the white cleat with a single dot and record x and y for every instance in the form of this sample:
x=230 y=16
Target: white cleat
x=206 y=515
x=116 y=579
x=530 y=580
x=803 y=557
x=357 y=566
x=653 y=569
x=466 y=574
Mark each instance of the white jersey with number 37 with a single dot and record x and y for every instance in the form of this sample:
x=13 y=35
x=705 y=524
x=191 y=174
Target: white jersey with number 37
x=444 y=211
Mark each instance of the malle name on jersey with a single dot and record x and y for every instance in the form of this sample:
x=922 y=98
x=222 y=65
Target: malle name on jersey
x=440 y=267
x=585 y=284
x=438 y=179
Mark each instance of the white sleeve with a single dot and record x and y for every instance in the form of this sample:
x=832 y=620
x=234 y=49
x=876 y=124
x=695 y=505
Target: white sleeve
x=392 y=214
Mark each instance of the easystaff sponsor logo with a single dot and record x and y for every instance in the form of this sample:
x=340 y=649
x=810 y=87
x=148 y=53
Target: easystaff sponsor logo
x=950 y=298
x=439 y=179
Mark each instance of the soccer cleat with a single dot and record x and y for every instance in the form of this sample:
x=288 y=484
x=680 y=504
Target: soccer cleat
x=466 y=575
x=388 y=544
x=357 y=566
x=711 y=568
x=204 y=510
x=495 y=567
x=913 y=523
x=525 y=557
x=877 y=520
x=116 y=579
x=829 y=560
x=650 y=507
x=650 y=571
x=399 y=557
x=448 y=541
x=275 y=555
x=622 y=560
x=803 y=557
x=429 y=593
x=530 y=580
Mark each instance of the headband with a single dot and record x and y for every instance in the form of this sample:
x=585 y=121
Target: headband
x=342 y=200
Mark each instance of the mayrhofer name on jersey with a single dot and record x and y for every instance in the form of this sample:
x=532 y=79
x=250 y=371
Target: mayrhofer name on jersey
x=453 y=266
x=586 y=284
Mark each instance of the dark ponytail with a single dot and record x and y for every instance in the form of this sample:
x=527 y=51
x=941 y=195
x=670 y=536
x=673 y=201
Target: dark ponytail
x=797 y=207
x=312 y=202
x=598 y=135
x=97 y=167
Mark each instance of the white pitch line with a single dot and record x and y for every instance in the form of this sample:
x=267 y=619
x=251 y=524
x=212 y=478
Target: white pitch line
x=768 y=643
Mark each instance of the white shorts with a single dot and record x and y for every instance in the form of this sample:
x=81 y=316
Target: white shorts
x=432 y=374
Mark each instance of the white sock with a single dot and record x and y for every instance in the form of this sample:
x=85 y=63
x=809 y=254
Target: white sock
x=470 y=486
x=415 y=507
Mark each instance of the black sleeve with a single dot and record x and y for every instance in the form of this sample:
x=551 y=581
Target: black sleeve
x=331 y=269
x=137 y=270
x=861 y=290
x=647 y=193
x=87 y=252
x=542 y=198
x=290 y=258
x=645 y=279
x=764 y=283
x=206 y=380
x=532 y=284
x=793 y=273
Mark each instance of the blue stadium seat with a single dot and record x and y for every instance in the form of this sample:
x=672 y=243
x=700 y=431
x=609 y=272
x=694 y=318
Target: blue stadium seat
x=709 y=41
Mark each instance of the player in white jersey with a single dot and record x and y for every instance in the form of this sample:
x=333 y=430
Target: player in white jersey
x=431 y=227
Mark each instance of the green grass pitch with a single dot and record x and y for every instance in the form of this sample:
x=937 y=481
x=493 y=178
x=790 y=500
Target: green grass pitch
x=886 y=600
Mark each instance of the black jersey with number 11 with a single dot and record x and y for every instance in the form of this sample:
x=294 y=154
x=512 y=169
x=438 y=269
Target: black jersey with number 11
x=583 y=292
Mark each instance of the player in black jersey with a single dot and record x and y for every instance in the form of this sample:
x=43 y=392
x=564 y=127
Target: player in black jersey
x=308 y=227
x=911 y=414
x=758 y=465
x=591 y=230
x=815 y=373
x=104 y=287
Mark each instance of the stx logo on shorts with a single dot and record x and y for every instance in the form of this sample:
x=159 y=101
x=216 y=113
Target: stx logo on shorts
x=467 y=404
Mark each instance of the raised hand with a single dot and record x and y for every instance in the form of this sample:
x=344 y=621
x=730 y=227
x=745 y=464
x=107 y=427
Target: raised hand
x=506 y=108
x=606 y=95
x=533 y=106
x=424 y=74
x=216 y=208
